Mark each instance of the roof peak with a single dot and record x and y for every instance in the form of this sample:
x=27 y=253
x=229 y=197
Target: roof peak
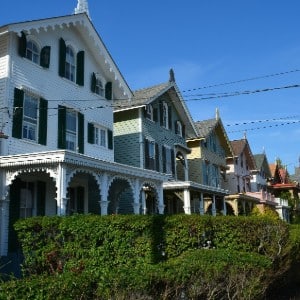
x=82 y=7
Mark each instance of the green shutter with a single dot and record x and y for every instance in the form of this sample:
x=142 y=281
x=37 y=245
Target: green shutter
x=41 y=198
x=91 y=133
x=170 y=117
x=146 y=144
x=61 y=135
x=62 y=58
x=161 y=113
x=80 y=68
x=45 y=57
x=18 y=114
x=14 y=213
x=43 y=121
x=110 y=139
x=156 y=157
x=108 y=91
x=93 y=83
x=164 y=158
x=80 y=133
x=22 y=45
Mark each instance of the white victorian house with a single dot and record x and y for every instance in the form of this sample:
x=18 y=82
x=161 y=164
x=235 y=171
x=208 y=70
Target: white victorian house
x=58 y=83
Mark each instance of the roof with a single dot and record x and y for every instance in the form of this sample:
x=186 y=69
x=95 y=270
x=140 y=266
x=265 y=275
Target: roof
x=85 y=29
x=261 y=162
x=206 y=127
x=147 y=95
x=240 y=146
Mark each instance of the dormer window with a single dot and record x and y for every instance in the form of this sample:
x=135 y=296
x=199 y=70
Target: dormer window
x=33 y=51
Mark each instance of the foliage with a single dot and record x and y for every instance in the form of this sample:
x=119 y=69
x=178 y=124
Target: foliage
x=151 y=257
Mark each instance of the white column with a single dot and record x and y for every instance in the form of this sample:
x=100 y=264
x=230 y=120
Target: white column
x=136 y=194
x=160 y=194
x=104 y=194
x=61 y=182
x=144 y=206
x=187 y=201
x=201 y=209
x=213 y=207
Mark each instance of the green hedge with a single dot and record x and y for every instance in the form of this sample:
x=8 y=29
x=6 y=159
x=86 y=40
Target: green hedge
x=150 y=257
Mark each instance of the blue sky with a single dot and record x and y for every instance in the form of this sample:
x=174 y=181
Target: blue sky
x=210 y=45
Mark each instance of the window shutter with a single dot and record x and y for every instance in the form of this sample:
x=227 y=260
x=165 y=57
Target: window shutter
x=91 y=133
x=43 y=121
x=156 y=157
x=183 y=131
x=146 y=144
x=164 y=159
x=175 y=126
x=110 y=139
x=62 y=58
x=22 y=45
x=61 y=136
x=93 y=83
x=173 y=161
x=45 y=57
x=155 y=114
x=80 y=133
x=161 y=113
x=18 y=114
x=80 y=68
x=41 y=198
x=170 y=117
x=108 y=91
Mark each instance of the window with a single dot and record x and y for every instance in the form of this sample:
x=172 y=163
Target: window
x=33 y=52
x=149 y=112
x=99 y=88
x=29 y=117
x=168 y=160
x=70 y=64
x=151 y=155
x=178 y=128
x=165 y=119
x=71 y=130
x=26 y=200
x=100 y=136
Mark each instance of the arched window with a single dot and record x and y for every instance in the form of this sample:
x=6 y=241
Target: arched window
x=165 y=115
x=178 y=128
x=70 y=64
x=33 y=51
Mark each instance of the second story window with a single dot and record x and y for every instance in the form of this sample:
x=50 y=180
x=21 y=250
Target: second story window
x=70 y=64
x=178 y=128
x=71 y=130
x=99 y=88
x=100 y=136
x=30 y=117
x=149 y=112
x=165 y=116
x=151 y=155
x=33 y=52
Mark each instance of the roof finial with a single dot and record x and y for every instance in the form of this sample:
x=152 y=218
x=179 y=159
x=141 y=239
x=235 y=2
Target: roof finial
x=82 y=7
x=217 y=114
x=172 y=76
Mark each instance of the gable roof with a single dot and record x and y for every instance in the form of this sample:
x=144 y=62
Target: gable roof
x=206 y=127
x=146 y=96
x=84 y=28
x=261 y=162
x=242 y=146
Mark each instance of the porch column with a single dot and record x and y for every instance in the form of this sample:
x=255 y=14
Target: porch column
x=144 y=207
x=187 y=201
x=201 y=208
x=104 y=194
x=61 y=183
x=136 y=194
x=213 y=206
x=224 y=207
x=4 y=218
x=160 y=194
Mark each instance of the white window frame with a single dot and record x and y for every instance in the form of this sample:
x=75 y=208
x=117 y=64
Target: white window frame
x=71 y=134
x=33 y=50
x=30 y=121
x=100 y=136
x=99 y=87
x=168 y=162
x=149 y=112
x=70 y=64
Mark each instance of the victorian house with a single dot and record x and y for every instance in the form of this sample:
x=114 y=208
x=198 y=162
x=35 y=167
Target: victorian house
x=58 y=83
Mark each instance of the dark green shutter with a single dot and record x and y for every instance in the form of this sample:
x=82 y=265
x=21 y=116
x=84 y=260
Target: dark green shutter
x=80 y=133
x=156 y=157
x=22 y=45
x=93 y=83
x=61 y=136
x=41 y=198
x=173 y=161
x=14 y=213
x=170 y=117
x=161 y=113
x=164 y=158
x=18 y=114
x=183 y=131
x=80 y=68
x=43 y=121
x=91 y=133
x=146 y=144
x=155 y=114
x=110 y=139
x=45 y=57
x=108 y=91
x=62 y=58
